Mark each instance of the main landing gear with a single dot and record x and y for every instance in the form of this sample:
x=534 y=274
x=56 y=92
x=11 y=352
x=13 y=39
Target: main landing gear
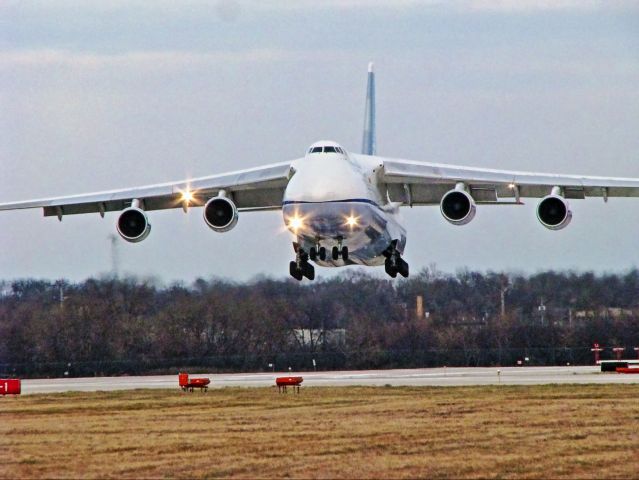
x=394 y=263
x=300 y=268
x=319 y=253
x=339 y=250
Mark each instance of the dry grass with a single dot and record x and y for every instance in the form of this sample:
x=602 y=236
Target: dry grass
x=489 y=432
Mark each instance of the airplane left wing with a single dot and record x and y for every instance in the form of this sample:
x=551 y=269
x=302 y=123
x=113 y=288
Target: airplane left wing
x=260 y=188
x=422 y=183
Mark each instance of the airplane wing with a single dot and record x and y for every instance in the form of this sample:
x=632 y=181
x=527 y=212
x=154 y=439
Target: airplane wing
x=422 y=183
x=260 y=188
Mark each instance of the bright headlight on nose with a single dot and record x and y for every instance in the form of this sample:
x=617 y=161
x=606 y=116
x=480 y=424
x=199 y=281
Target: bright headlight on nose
x=295 y=222
x=351 y=221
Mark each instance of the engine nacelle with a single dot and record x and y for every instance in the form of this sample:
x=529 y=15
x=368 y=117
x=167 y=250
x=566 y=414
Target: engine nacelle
x=220 y=213
x=458 y=207
x=133 y=225
x=553 y=212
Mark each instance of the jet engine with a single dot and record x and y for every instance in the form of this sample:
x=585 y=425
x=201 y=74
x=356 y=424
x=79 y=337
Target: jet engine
x=553 y=212
x=458 y=207
x=133 y=225
x=220 y=213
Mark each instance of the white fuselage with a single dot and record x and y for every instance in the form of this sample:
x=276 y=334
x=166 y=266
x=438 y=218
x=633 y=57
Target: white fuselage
x=333 y=199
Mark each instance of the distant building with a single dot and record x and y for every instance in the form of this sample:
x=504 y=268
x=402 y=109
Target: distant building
x=307 y=337
x=605 y=312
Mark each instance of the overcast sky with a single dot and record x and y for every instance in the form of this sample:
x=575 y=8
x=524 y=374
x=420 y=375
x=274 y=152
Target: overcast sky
x=102 y=95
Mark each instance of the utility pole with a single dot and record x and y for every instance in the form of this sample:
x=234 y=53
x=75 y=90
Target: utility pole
x=115 y=260
x=502 y=292
x=61 y=296
x=542 y=310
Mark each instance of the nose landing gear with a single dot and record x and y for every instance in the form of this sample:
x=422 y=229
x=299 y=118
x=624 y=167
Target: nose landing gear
x=394 y=263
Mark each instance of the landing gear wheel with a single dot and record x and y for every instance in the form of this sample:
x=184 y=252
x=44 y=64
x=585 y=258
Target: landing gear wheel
x=335 y=253
x=394 y=263
x=402 y=268
x=322 y=253
x=345 y=254
x=295 y=272
x=312 y=253
x=390 y=268
x=308 y=271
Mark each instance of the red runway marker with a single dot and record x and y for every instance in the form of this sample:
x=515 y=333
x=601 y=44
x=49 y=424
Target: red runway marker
x=284 y=382
x=187 y=384
x=10 y=386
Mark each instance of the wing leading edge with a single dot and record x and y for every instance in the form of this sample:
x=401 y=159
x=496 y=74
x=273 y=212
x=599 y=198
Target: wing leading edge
x=423 y=183
x=260 y=188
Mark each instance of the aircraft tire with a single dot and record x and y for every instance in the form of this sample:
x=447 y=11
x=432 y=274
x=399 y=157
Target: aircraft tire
x=391 y=269
x=312 y=253
x=295 y=272
x=402 y=268
x=345 y=254
x=308 y=271
x=335 y=253
x=322 y=253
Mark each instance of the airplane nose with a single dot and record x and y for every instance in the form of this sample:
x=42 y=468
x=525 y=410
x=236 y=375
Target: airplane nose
x=324 y=220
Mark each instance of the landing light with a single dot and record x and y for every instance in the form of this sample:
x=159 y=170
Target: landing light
x=295 y=223
x=187 y=196
x=351 y=221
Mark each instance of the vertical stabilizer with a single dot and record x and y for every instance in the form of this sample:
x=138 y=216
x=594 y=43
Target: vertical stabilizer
x=369 y=143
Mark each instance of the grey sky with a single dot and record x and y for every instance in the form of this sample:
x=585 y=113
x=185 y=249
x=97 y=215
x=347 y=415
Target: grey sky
x=100 y=95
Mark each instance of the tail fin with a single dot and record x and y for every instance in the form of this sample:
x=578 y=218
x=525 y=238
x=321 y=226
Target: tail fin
x=369 y=143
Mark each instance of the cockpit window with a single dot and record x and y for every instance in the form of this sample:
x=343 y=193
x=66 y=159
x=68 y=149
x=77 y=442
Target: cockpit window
x=326 y=149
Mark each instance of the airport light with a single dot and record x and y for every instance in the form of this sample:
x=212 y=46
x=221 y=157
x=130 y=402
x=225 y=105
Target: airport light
x=597 y=350
x=618 y=352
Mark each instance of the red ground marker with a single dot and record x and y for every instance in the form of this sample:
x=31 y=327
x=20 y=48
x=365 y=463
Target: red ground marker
x=284 y=382
x=187 y=384
x=10 y=386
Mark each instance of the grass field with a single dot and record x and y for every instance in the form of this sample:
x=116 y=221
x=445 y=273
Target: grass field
x=496 y=432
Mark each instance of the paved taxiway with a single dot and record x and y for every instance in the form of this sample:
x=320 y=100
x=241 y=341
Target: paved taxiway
x=412 y=377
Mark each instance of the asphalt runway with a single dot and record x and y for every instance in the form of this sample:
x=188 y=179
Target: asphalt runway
x=409 y=377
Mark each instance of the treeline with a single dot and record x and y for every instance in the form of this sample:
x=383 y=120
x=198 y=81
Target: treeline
x=127 y=326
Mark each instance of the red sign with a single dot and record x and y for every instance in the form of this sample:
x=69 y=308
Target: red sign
x=10 y=386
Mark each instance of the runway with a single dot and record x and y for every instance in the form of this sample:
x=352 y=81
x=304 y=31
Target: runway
x=438 y=377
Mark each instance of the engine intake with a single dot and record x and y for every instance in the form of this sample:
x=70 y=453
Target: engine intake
x=553 y=212
x=220 y=214
x=133 y=225
x=458 y=207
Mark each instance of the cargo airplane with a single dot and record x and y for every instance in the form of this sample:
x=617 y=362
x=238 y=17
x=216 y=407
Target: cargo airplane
x=342 y=208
